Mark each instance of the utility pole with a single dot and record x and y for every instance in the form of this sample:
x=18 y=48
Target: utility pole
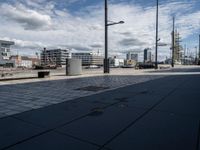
x=156 y=52
x=173 y=42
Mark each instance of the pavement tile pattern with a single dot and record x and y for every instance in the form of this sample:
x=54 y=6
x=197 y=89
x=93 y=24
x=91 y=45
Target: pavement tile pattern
x=162 y=113
x=17 y=98
x=158 y=114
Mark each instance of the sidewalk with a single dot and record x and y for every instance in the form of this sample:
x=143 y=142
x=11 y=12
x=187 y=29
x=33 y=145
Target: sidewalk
x=31 y=76
x=17 y=98
x=160 y=114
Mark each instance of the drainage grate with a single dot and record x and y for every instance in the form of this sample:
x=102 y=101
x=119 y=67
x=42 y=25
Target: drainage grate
x=93 y=88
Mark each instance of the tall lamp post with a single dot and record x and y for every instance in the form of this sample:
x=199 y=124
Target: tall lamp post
x=156 y=52
x=199 y=48
x=106 y=60
x=173 y=42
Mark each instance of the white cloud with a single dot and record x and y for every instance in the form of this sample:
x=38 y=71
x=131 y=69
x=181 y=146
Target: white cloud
x=29 y=19
x=41 y=22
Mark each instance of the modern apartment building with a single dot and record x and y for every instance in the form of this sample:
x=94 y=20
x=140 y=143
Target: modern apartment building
x=5 y=53
x=55 y=57
x=5 y=49
x=89 y=58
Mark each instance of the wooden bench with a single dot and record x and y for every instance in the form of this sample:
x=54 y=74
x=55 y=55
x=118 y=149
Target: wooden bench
x=43 y=74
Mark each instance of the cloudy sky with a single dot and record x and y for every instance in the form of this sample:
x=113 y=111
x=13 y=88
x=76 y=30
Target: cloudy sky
x=79 y=24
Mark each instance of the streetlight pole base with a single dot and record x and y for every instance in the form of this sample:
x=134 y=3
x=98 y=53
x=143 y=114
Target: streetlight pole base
x=106 y=66
x=156 y=65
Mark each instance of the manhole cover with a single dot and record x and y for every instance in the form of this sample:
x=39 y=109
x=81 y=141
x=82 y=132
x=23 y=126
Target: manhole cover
x=93 y=88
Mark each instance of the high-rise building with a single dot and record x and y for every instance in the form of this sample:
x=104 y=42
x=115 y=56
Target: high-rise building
x=147 y=55
x=55 y=57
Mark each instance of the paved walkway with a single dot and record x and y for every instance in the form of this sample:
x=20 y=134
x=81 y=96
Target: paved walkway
x=17 y=98
x=160 y=114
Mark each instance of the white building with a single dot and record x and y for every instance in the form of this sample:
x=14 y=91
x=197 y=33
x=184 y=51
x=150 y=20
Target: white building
x=26 y=62
x=89 y=58
x=22 y=61
x=116 y=62
x=132 y=56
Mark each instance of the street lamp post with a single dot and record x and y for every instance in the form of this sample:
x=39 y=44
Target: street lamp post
x=156 y=52
x=173 y=42
x=106 y=60
x=199 y=46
